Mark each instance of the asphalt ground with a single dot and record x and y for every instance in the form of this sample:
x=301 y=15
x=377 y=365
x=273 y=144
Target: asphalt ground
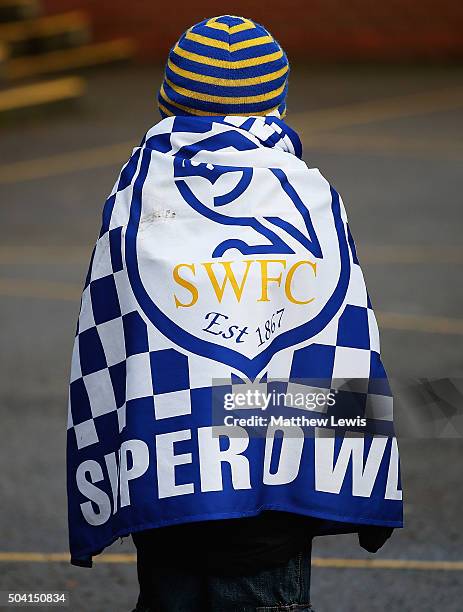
x=389 y=139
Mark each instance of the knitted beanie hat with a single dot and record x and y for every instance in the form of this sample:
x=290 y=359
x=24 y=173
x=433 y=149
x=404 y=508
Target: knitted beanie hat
x=225 y=66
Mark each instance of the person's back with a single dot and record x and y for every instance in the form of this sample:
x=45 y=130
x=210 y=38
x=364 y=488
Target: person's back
x=228 y=401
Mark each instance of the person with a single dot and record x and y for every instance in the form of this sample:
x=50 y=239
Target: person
x=223 y=263
x=238 y=565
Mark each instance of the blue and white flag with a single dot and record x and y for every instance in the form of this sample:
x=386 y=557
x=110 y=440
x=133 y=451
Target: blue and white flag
x=225 y=262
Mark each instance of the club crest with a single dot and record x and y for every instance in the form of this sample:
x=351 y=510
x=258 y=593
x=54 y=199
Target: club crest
x=250 y=260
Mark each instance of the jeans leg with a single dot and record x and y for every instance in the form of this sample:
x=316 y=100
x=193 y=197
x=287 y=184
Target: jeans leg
x=284 y=588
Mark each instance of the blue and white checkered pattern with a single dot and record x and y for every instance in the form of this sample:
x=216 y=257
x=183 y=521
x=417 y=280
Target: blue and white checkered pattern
x=344 y=357
x=118 y=357
x=137 y=391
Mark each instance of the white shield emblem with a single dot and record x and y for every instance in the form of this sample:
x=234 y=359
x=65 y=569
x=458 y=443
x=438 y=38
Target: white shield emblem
x=236 y=264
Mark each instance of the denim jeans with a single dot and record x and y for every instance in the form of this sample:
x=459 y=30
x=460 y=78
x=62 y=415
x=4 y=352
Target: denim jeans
x=280 y=589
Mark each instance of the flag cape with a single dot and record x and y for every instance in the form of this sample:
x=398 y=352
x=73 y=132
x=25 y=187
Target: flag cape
x=223 y=263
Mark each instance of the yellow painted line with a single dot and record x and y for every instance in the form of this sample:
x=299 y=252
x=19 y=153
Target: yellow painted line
x=70 y=59
x=41 y=93
x=65 y=163
x=44 y=255
x=46 y=290
x=330 y=562
x=38 y=557
x=372 y=111
x=420 y=323
x=116 y=154
x=33 y=557
x=311 y=122
x=396 y=564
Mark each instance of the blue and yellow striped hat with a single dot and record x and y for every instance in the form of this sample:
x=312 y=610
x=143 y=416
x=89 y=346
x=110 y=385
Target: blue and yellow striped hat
x=225 y=66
